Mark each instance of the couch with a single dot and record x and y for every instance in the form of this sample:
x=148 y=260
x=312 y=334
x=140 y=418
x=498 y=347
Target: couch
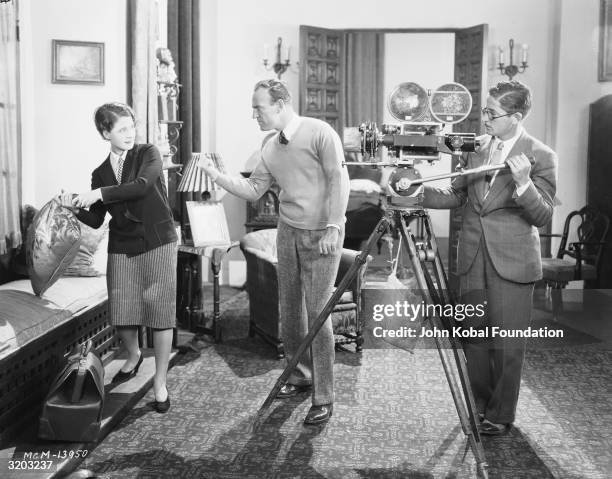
x=37 y=333
x=259 y=248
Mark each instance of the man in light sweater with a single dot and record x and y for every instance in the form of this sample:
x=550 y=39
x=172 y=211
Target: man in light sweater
x=305 y=157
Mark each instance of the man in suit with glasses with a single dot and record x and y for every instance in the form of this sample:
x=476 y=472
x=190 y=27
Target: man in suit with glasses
x=499 y=246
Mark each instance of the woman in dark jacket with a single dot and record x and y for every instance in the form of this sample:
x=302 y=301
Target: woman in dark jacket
x=141 y=273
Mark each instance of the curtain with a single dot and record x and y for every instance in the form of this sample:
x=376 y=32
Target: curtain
x=10 y=184
x=142 y=82
x=365 y=59
x=184 y=43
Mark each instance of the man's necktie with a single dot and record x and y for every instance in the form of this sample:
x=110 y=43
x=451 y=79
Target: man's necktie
x=496 y=159
x=282 y=138
x=120 y=169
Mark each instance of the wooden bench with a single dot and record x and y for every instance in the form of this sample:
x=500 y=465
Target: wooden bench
x=36 y=336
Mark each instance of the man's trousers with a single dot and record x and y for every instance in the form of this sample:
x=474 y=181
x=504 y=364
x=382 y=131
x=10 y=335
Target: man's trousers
x=494 y=363
x=306 y=281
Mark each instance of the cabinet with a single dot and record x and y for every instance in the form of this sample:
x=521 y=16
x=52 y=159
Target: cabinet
x=599 y=172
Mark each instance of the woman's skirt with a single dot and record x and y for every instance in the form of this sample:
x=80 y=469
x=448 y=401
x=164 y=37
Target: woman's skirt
x=142 y=288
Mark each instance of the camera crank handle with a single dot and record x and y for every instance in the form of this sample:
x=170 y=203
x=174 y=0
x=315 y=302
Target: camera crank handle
x=463 y=172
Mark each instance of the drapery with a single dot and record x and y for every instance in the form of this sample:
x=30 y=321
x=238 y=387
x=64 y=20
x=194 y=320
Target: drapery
x=184 y=43
x=365 y=59
x=10 y=181
x=142 y=82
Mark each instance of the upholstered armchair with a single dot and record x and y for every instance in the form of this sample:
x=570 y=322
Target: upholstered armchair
x=259 y=248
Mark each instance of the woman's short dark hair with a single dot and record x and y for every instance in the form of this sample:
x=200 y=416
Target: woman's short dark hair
x=513 y=96
x=107 y=115
x=277 y=89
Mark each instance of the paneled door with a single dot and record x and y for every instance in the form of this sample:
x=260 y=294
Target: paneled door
x=322 y=75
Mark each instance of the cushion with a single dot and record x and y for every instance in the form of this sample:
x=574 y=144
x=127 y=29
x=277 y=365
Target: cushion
x=100 y=257
x=25 y=316
x=52 y=243
x=262 y=243
x=346 y=299
x=363 y=191
x=91 y=256
x=563 y=270
x=18 y=263
x=365 y=186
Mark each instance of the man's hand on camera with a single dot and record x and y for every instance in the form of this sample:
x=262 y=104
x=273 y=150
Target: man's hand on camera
x=206 y=164
x=328 y=244
x=520 y=168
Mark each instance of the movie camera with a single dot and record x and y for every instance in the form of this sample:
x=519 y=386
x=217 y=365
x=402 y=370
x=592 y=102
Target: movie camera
x=418 y=137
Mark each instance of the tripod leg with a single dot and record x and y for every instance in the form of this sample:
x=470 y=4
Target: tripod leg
x=348 y=278
x=441 y=277
x=460 y=360
x=462 y=396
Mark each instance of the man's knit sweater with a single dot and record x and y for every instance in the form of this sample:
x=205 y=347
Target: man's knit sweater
x=314 y=184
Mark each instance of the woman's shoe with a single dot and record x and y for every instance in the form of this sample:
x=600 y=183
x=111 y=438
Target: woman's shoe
x=162 y=406
x=122 y=377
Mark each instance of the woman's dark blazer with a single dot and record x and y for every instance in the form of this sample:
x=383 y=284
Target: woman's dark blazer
x=141 y=216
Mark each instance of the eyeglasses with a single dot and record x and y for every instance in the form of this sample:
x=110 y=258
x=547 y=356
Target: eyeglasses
x=491 y=114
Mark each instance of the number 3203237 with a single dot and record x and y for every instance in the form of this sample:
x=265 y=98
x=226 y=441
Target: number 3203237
x=43 y=460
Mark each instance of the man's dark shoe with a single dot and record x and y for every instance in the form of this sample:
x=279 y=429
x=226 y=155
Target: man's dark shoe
x=290 y=390
x=489 y=428
x=319 y=414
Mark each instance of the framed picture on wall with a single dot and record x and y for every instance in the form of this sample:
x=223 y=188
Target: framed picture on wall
x=77 y=62
x=605 y=40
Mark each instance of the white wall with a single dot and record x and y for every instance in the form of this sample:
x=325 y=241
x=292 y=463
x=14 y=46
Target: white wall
x=243 y=27
x=578 y=86
x=60 y=143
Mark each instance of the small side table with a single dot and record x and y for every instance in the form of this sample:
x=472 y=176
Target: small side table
x=191 y=311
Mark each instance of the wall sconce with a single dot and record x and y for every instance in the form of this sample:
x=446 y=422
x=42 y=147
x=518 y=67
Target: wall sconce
x=279 y=66
x=511 y=69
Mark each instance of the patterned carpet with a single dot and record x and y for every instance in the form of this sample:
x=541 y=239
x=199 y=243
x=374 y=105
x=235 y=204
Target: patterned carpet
x=393 y=418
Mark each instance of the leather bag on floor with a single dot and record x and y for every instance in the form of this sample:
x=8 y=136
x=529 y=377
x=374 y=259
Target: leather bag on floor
x=73 y=408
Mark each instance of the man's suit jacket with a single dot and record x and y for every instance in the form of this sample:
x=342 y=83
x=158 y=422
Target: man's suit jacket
x=141 y=216
x=508 y=223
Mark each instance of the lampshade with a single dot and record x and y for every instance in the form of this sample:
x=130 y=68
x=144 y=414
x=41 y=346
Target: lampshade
x=194 y=179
